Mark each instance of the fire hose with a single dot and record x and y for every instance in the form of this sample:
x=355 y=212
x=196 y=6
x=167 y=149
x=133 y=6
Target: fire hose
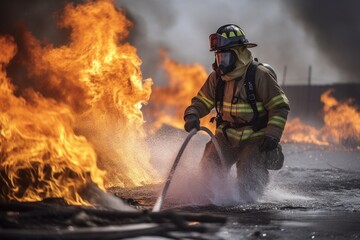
x=163 y=193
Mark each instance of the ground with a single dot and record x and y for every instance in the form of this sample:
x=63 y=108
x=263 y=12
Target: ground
x=316 y=195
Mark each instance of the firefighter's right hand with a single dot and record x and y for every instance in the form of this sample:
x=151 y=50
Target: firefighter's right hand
x=192 y=121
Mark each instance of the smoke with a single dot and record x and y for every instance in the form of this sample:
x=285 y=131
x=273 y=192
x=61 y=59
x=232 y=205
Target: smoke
x=292 y=33
x=151 y=22
x=38 y=16
x=336 y=29
x=33 y=24
x=183 y=27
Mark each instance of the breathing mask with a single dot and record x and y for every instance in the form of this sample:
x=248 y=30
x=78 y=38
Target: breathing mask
x=224 y=61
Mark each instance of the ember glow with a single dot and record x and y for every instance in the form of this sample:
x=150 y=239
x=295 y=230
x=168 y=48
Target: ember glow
x=90 y=117
x=168 y=103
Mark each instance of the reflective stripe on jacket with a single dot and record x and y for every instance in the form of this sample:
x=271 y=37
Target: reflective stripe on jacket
x=270 y=99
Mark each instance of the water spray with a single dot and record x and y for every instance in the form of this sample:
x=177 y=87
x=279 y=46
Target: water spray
x=163 y=193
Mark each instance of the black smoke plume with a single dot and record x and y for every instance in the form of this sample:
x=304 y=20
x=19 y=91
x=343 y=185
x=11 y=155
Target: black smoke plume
x=38 y=16
x=335 y=26
x=26 y=20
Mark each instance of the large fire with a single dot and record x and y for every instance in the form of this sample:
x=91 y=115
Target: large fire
x=79 y=119
x=41 y=156
x=168 y=103
x=81 y=114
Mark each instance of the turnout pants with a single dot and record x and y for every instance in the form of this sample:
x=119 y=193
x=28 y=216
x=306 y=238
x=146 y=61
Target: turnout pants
x=252 y=173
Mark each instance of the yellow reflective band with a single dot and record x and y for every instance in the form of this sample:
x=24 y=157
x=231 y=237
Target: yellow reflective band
x=280 y=125
x=209 y=106
x=279 y=99
x=240 y=110
x=224 y=35
x=278 y=121
x=274 y=99
x=258 y=133
x=207 y=99
x=231 y=34
x=238 y=33
x=242 y=107
x=233 y=133
x=250 y=133
x=246 y=134
x=208 y=103
x=230 y=134
x=241 y=135
x=258 y=104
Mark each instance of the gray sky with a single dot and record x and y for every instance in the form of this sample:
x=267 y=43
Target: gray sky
x=183 y=27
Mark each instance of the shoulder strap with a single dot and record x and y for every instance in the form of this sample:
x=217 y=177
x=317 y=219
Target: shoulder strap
x=219 y=95
x=250 y=88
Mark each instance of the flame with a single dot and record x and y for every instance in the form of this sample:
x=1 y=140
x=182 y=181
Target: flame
x=82 y=114
x=341 y=125
x=299 y=132
x=110 y=75
x=41 y=156
x=342 y=121
x=168 y=103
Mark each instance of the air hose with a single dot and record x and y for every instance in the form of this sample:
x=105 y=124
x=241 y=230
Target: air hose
x=163 y=193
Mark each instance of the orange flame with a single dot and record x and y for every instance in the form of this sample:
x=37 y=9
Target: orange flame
x=110 y=74
x=341 y=125
x=167 y=104
x=94 y=88
x=41 y=156
x=342 y=121
x=299 y=132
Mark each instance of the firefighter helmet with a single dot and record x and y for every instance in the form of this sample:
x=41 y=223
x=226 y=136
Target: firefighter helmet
x=228 y=36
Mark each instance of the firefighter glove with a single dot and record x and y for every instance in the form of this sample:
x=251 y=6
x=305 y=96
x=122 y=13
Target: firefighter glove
x=269 y=143
x=192 y=121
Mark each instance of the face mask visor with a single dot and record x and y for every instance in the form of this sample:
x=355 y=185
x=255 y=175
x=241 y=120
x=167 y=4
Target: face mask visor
x=225 y=61
x=225 y=58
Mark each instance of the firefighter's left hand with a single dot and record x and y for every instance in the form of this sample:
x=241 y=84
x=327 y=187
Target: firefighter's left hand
x=269 y=143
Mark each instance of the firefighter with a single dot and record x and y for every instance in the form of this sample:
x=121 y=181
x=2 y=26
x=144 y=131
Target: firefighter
x=251 y=111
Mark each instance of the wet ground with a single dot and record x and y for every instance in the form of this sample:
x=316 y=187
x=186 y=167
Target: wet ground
x=315 y=196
